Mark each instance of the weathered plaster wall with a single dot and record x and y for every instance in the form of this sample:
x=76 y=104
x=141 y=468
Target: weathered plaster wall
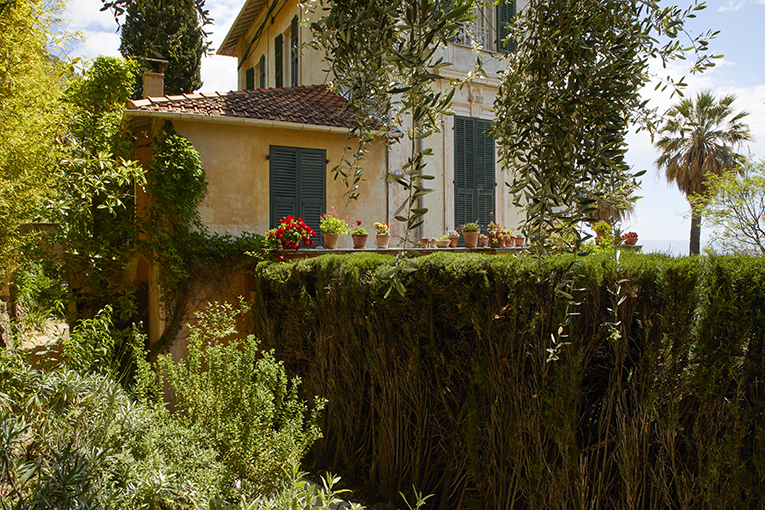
x=235 y=159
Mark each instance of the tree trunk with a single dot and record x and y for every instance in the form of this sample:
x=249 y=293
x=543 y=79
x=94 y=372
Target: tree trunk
x=695 y=233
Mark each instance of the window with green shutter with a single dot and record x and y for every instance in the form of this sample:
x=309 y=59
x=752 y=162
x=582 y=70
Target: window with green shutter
x=506 y=11
x=474 y=172
x=262 y=69
x=294 y=52
x=249 y=78
x=297 y=185
x=278 y=61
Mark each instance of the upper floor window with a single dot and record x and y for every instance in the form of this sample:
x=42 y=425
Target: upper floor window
x=278 y=61
x=294 y=52
x=489 y=28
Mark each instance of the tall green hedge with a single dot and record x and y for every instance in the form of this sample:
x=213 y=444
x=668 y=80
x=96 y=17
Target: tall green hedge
x=449 y=388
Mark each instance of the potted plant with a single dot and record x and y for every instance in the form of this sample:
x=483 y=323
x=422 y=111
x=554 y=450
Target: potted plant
x=454 y=238
x=601 y=229
x=493 y=230
x=630 y=238
x=332 y=226
x=470 y=232
x=383 y=234
x=483 y=240
x=359 y=235
x=290 y=233
x=443 y=241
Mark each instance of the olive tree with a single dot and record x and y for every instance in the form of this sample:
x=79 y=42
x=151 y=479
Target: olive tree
x=569 y=95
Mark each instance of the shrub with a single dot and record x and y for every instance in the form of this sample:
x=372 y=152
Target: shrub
x=242 y=399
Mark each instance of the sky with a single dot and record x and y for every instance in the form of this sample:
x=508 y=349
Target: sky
x=662 y=216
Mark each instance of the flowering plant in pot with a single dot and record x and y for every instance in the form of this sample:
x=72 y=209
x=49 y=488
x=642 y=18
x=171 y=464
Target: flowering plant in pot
x=359 y=235
x=289 y=234
x=483 y=240
x=443 y=241
x=630 y=238
x=601 y=229
x=332 y=226
x=383 y=234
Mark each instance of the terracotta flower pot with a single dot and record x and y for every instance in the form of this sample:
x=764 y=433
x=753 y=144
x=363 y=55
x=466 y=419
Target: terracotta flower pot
x=518 y=242
x=454 y=241
x=471 y=239
x=483 y=242
x=330 y=241
x=630 y=240
x=442 y=243
x=383 y=240
x=359 y=241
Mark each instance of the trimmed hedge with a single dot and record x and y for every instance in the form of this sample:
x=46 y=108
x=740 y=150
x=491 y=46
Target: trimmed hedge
x=449 y=389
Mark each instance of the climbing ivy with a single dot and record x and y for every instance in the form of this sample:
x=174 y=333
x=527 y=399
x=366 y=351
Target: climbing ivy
x=176 y=239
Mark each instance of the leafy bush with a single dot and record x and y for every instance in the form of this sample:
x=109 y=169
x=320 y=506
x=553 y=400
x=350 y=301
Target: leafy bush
x=242 y=399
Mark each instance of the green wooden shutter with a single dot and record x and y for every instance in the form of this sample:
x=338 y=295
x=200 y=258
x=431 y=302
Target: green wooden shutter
x=249 y=78
x=312 y=183
x=485 y=177
x=298 y=185
x=262 y=68
x=283 y=182
x=294 y=27
x=474 y=169
x=506 y=11
x=278 y=61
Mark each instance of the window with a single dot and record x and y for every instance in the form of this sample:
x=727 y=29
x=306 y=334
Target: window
x=489 y=27
x=249 y=78
x=294 y=52
x=262 y=71
x=506 y=11
x=278 y=61
x=474 y=179
x=297 y=185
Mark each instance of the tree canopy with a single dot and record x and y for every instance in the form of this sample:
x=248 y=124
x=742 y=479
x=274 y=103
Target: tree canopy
x=733 y=205
x=30 y=117
x=172 y=30
x=568 y=97
x=698 y=139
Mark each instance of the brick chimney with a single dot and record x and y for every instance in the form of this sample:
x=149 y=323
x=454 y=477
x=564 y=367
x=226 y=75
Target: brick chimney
x=154 y=79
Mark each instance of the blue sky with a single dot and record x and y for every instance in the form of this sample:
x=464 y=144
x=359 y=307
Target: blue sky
x=662 y=217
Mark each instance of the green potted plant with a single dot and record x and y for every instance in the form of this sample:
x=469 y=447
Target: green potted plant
x=359 y=235
x=332 y=226
x=443 y=241
x=483 y=240
x=383 y=234
x=470 y=232
x=601 y=229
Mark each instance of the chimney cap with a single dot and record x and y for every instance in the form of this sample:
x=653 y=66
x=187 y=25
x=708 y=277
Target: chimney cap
x=157 y=65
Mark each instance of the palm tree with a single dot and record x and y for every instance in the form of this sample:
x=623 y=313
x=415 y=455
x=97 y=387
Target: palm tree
x=699 y=139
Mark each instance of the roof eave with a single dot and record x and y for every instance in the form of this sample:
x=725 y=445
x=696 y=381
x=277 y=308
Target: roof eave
x=246 y=121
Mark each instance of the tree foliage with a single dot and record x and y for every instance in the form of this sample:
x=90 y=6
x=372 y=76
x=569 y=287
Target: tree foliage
x=172 y=30
x=30 y=117
x=383 y=57
x=699 y=138
x=95 y=180
x=568 y=96
x=733 y=204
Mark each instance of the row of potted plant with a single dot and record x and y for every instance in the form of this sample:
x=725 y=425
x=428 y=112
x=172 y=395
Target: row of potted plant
x=293 y=232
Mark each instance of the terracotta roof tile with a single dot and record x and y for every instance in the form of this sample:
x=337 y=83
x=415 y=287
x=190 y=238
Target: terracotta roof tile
x=303 y=105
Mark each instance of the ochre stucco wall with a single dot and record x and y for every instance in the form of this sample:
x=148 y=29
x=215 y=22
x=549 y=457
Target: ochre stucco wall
x=235 y=160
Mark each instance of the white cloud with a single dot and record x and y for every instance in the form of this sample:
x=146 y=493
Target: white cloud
x=731 y=7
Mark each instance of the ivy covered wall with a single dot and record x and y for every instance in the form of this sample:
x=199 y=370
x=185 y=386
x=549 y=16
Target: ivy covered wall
x=450 y=388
